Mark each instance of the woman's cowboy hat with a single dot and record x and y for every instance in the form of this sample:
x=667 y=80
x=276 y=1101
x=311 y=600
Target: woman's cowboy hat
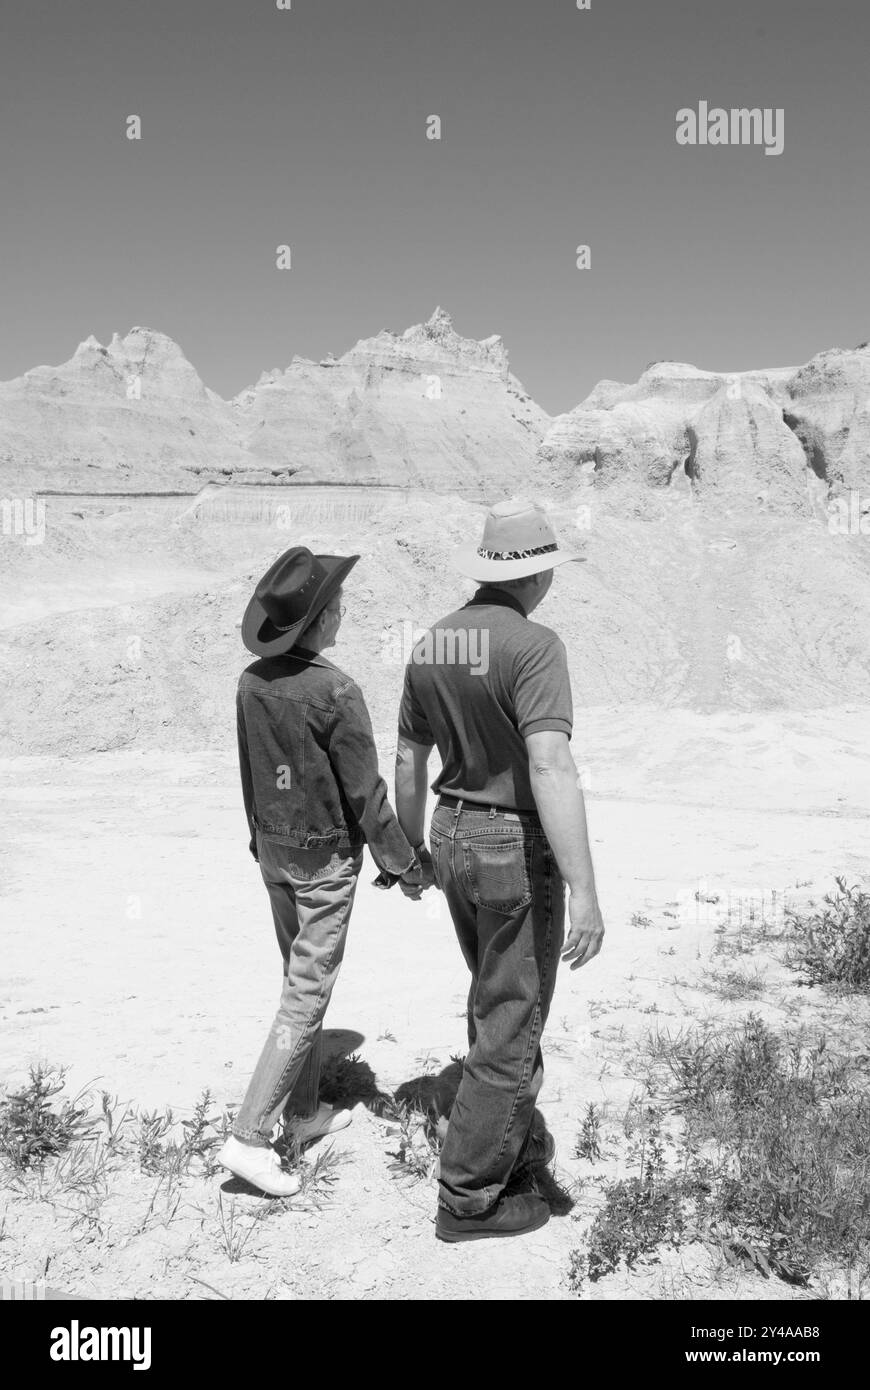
x=517 y=540
x=289 y=597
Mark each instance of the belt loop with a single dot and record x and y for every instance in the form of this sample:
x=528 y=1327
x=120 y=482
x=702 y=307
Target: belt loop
x=492 y=813
x=458 y=808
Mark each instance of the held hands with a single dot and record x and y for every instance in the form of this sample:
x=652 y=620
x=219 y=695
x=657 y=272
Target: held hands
x=419 y=877
x=586 y=930
x=426 y=867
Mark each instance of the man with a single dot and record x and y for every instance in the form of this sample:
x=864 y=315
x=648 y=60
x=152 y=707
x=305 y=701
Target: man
x=313 y=795
x=491 y=690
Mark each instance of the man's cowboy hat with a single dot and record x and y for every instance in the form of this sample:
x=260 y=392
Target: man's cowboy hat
x=517 y=540
x=289 y=597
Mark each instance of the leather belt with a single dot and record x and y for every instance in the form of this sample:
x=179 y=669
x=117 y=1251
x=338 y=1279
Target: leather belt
x=452 y=802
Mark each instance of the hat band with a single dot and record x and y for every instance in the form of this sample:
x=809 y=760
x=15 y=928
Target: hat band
x=517 y=554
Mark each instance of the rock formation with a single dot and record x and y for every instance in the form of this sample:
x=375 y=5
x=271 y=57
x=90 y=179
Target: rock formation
x=782 y=438
x=424 y=408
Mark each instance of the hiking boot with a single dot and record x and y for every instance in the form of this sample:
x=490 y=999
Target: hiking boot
x=325 y=1120
x=258 y=1166
x=513 y=1215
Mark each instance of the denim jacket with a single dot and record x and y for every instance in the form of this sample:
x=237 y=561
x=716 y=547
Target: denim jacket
x=308 y=761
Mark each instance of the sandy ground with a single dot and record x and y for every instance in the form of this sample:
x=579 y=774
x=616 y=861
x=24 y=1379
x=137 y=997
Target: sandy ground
x=138 y=951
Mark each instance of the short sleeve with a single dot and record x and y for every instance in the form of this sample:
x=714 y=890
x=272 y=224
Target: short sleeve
x=413 y=724
x=542 y=687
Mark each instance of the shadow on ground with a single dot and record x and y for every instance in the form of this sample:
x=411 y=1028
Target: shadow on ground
x=434 y=1093
x=345 y=1079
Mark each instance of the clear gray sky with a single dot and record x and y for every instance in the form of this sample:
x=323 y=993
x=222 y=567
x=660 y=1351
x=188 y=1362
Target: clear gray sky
x=308 y=126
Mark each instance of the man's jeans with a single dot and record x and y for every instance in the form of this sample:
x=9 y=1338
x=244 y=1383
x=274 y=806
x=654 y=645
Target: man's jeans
x=312 y=893
x=507 y=900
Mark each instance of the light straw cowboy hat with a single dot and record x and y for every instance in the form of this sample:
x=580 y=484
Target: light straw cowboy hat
x=517 y=540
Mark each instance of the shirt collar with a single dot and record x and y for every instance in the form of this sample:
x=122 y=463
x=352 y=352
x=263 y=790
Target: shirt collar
x=487 y=593
x=314 y=658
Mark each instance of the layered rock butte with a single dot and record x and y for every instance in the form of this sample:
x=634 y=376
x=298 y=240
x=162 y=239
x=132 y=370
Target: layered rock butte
x=424 y=408
x=428 y=408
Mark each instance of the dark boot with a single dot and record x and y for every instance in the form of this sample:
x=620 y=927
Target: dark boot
x=511 y=1215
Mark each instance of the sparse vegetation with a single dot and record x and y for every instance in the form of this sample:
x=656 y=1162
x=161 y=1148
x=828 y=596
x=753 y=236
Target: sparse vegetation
x=161 y=1154
x=32 y=1128
x=735 y=984
x=832 y=945
x=771 y=1165
x=639 y=1215
x=588 y=1142
x=418 y=1143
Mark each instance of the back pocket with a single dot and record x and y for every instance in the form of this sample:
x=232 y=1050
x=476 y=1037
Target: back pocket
x=499 y=873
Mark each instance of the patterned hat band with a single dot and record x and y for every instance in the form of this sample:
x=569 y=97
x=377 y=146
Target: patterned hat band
x=516 y=554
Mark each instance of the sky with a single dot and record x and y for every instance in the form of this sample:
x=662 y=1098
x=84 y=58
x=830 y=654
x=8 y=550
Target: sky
x=306 y=127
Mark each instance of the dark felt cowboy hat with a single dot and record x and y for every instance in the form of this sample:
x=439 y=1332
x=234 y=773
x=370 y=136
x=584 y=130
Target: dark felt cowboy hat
x=517 y=540
x=289 y=597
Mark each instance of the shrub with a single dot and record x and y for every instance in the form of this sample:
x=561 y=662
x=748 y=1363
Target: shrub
x=775 y=1157
x=32 y=1129
x=833 y=945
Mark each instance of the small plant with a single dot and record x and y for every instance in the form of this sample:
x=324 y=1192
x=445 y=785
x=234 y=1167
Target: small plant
x=115 y=1125
x=578 y=1270
x=161 y=1154
x=588 y=1142
x=639 y=920
x=156 y=1156
x=833 y=945
x=419 y=1144
x=197 y=1144
x=735 y=984
x=639 y=1215
x=234 y=1234
x=32 y=1128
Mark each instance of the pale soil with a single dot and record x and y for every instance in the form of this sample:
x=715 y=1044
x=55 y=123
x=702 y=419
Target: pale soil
x=138 y=951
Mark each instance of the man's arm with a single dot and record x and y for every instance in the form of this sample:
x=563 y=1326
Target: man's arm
x=412 y=761
x=559 y=799
x=354 y=760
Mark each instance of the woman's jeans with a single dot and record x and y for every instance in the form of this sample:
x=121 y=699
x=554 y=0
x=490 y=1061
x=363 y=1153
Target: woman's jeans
x=507 y=900
x=312 y=893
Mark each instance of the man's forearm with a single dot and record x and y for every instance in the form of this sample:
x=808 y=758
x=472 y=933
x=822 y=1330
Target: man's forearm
x=559 y=800
x=411 y=788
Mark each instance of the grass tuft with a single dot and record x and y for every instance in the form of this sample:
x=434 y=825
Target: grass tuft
x=34 y=1129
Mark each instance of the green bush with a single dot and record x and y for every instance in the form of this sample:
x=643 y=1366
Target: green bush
x=773 y=1163
x=32 y=1129
x=833 y=946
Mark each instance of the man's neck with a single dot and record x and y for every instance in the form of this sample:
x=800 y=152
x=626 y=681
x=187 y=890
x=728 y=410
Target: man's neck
x=506 y=596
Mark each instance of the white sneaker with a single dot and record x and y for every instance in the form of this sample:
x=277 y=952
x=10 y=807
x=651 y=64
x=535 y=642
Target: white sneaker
x=325 y=1120
x=259 y=1167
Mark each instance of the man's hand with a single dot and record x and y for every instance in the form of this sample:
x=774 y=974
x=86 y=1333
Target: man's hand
x=586 y=931
x=411 y=882
x=426 y=867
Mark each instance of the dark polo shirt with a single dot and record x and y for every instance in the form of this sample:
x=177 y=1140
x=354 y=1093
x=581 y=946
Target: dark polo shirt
x=476 y=684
